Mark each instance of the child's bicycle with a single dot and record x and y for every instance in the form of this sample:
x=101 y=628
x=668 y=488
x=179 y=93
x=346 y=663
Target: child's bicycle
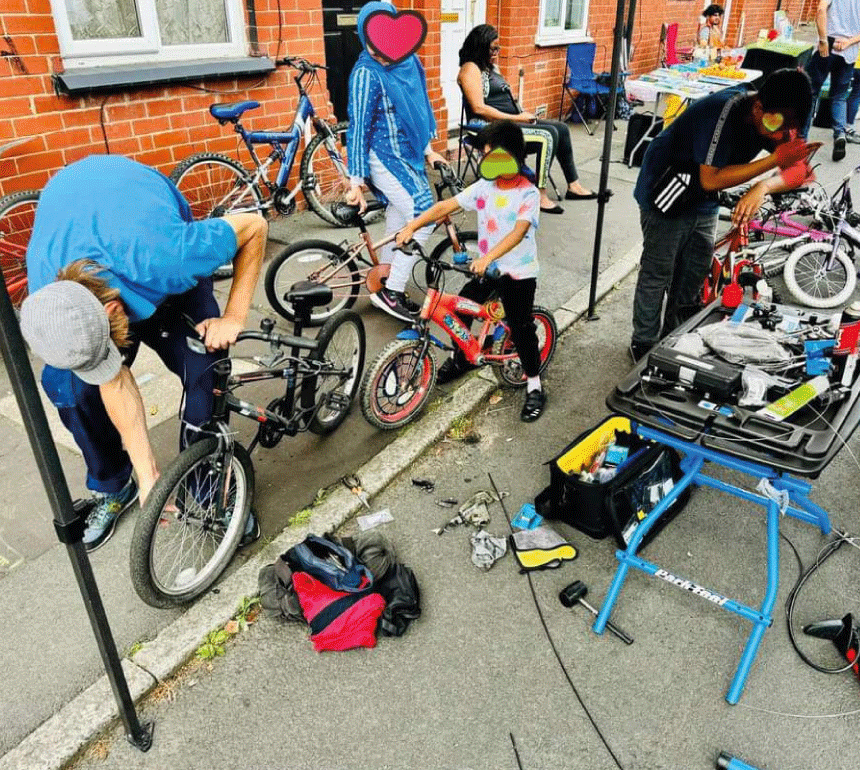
x=399 y=382
x=215 y=184
x=733 y=263
x=345 y=267
x=195 y=516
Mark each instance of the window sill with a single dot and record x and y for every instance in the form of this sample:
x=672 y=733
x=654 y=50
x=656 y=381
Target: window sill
x=545 y=41
x=90 y=79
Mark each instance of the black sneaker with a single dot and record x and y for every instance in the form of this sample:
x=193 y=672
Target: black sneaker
x=413 y=307
x=839 y=148
x=451 y=370
x=393 y=303
x=534 y=405
x=638 y=349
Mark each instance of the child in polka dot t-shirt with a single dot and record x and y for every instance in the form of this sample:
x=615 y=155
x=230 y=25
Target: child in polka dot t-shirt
x=508 y=208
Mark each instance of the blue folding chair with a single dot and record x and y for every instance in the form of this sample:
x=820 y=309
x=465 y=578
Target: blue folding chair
x=579 y=78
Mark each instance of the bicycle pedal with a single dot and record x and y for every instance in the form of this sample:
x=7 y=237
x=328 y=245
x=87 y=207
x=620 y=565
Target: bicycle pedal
x=338 y=401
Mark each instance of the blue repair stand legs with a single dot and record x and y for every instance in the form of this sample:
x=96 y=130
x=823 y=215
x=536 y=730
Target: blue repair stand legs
x=800 y=507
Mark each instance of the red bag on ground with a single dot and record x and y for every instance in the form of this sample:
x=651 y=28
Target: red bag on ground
x=338 y=620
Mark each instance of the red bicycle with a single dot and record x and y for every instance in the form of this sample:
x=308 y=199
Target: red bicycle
x=399 y=383
x=738 y=266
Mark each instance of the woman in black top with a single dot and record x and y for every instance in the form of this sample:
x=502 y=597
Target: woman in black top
x=487 y=96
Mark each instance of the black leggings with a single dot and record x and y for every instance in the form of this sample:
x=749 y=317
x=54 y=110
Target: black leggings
x=562 y=148
x=517 y=296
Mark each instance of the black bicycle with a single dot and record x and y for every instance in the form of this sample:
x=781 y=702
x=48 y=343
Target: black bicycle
x=195 y=516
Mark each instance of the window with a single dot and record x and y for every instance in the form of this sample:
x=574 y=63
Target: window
x=562 y=21
x=113 y=32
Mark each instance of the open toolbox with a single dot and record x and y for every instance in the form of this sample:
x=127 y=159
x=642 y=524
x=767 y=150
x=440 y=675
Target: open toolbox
x=695 y=398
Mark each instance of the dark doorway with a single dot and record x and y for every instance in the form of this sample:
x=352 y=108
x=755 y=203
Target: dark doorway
x=342 y=48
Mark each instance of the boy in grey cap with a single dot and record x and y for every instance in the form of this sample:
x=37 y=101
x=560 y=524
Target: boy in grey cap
x=115 y=259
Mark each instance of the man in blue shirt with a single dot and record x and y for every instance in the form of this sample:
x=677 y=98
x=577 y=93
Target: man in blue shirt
x=838 y=23
x=115 y=259
x=715 y=140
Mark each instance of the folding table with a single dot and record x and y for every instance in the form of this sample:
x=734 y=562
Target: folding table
x=743 y=441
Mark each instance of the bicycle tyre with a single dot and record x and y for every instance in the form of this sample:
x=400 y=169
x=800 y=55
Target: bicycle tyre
x=17 y=212
x=153 y=521
x=210 y=183
x=306 y=261
x=813 y=289
x=340 y=343
x=324 y=180
x=385 y=403
x=444 y=250
x=510 y=373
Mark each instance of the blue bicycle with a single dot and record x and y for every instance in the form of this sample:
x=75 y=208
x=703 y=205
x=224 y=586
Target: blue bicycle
x=215 y=184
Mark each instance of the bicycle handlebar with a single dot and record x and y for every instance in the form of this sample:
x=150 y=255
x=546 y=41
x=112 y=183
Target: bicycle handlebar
x=300 y=64
x=280 y=340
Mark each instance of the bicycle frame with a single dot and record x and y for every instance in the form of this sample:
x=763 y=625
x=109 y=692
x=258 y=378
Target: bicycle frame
x=290 y=421
x=285 y=145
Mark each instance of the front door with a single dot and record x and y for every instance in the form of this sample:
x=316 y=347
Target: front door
x=342 y=48
x=458 y=17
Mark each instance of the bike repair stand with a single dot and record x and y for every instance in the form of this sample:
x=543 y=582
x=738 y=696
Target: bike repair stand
x=694 y=458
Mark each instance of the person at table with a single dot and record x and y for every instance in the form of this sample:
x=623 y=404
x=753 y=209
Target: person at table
x=838 y=23
x=488 y=96
x=710 y=34
x=677 y=247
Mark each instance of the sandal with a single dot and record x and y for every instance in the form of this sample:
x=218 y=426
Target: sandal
x=534 y=405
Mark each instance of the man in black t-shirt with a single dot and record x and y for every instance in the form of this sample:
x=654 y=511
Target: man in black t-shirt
x=716 y=138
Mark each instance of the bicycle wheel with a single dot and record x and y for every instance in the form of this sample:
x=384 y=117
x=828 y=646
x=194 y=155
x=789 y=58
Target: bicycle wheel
x=340 y=347
x=810 y=284
x=444 y=250
x=398 y=385
x=17 y=212
x=181 y=542
x=215 y=185
x=318 y=261
x=510 y=373
x=323 y=170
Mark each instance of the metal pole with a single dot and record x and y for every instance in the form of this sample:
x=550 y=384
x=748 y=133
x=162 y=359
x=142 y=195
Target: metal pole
x=68 y=524
x=607 y=151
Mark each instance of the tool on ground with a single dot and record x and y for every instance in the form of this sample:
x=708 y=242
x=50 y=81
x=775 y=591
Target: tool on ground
x=728 y=762
x=844 y=634
x=575 y=593
x=474 y=511
x=426 y=484
x=353 y=484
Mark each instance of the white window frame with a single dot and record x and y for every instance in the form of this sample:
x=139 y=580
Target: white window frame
x=559 y=35
x=148 y=48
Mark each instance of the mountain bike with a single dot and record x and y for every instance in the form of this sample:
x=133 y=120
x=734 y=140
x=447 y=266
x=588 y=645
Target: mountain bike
x=195 y=516
x=215 y=184
x=345 y=267
x=17 y=212
x=398 y=384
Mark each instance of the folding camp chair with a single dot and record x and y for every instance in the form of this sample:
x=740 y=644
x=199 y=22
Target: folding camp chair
x=579 y=78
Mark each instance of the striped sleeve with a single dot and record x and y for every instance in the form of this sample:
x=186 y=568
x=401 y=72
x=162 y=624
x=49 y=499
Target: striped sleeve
x=364 y=91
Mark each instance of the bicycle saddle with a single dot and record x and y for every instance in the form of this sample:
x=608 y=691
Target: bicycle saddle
x=224 y=112
x=348 y=215
x=309 y=294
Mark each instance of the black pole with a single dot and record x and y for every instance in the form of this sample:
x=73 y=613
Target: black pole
x=67 y=522
x=607 y=151
x=628 y=32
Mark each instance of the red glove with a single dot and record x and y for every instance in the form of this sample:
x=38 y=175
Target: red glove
x=790 y=152
x=797 y=175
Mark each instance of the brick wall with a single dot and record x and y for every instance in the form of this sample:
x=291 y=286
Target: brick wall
x=162 y=125
x=155 y=125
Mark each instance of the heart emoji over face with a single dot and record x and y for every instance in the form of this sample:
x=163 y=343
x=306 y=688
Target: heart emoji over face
x=772 y=121
x=496 y=163
x=395 y=36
